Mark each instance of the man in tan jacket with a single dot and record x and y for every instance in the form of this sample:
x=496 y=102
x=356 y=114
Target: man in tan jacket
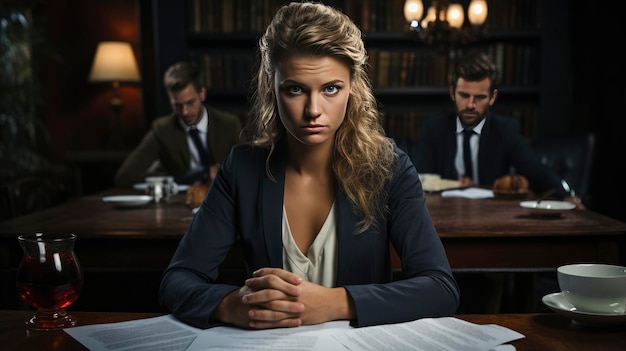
x=169 y=147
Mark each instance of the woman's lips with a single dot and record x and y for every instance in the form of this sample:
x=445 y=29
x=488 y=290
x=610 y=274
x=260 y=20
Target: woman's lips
x=314 y=128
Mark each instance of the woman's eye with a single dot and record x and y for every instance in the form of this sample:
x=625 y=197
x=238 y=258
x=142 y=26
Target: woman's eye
x=333 y=89
x=294 y=89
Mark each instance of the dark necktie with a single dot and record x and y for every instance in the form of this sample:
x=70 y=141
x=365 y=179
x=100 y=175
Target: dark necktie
x=202 y=151
x=467 y=152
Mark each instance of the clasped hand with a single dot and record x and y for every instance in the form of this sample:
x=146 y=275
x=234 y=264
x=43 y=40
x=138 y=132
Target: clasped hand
x=276 y=298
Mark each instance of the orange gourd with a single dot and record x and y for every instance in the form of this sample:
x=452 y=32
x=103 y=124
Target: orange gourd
x=511 y=184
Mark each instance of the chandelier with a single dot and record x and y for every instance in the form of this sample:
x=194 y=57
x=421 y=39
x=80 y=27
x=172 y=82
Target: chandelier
x=443 y=23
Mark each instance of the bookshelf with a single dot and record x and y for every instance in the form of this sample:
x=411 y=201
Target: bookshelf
x=409 y=77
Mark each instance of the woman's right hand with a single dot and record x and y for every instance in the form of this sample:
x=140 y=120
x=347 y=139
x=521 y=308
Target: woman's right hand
x=267 y=300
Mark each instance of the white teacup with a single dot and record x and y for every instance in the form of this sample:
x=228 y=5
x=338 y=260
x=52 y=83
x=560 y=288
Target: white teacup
x=594 y=287
x=161 y=188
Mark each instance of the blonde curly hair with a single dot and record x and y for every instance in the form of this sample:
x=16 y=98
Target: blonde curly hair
x=363 y=156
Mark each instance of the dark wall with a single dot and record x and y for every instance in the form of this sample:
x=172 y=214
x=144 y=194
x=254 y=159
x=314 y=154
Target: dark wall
x=599 y=94
x=78 y=112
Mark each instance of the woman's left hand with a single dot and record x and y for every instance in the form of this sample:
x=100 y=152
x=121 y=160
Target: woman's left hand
x=275 y=290
x=272 y=294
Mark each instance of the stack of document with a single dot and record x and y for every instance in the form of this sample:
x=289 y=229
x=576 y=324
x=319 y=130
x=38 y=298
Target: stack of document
x=167 y=333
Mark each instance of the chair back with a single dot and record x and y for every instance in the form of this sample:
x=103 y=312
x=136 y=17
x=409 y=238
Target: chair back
x=571 y=157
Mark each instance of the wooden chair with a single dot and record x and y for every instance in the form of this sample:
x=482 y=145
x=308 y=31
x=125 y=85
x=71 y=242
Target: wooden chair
x=571 y=157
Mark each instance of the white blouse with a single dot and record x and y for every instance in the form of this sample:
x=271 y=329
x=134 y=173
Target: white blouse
x=319 y=265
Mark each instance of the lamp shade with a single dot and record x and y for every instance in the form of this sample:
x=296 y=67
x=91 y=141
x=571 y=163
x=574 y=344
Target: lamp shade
x=114 y=61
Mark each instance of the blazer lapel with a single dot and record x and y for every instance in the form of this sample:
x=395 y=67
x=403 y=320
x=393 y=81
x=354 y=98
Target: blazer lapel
x=272 y=194
x=348 y=243
x=485 y=149
x=179 y=134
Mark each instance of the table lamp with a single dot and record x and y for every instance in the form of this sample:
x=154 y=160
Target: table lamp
x=115 y=62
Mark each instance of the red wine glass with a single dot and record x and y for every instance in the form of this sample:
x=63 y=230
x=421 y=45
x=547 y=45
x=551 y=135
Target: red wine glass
x=49 y=278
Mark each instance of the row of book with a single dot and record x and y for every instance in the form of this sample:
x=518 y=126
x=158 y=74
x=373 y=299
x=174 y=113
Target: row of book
x=407 y=68
x=518 y=65
x=232 y=16
x=253 y=16
x=225 y=70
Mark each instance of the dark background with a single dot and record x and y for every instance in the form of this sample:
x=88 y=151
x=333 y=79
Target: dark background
x=586 y=96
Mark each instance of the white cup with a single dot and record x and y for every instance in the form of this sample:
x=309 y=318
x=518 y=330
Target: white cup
x=161 y=188
x=594 y=287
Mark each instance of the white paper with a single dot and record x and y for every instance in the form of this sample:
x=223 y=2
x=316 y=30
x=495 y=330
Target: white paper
x=304 y=338
x=506 y=347
x=428 y=334
x=167 y=333
x=154 y=334
x=470 y=193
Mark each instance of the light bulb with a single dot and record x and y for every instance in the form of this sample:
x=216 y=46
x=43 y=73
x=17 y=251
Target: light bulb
x=413 y=10
x=431 y=15
x=477 y=12
x=455 y=15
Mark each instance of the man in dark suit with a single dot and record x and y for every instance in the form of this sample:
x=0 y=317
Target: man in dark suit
x=496 y=148
x=169 y=147
x=496 y=144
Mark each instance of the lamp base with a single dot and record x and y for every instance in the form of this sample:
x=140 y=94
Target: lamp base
x=116 y=141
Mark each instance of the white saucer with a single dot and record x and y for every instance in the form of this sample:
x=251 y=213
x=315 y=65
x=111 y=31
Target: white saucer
x=144 y=186
x=547 y=207
x=559 y=304
x=128 y=200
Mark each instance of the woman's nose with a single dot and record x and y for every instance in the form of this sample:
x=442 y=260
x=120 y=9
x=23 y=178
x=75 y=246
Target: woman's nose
x=312 y=108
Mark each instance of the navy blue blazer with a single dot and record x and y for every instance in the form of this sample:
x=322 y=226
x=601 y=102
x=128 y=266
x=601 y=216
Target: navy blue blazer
x=244 y=203
x=502 y=150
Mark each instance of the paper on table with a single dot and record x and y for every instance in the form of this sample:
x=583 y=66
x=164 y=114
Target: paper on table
x=470 y=193
x=167 y=333
x=304 y=338
x=506 y=347
x=154 y=334
x=447 y=333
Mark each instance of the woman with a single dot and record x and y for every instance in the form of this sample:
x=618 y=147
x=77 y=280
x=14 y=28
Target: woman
x=314 y=199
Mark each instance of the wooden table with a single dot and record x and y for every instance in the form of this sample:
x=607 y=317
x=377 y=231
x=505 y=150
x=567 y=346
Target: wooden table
x=108 y=236
x=122 y=250
x=132 y=246
x=499 y=234
x=543 y=331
